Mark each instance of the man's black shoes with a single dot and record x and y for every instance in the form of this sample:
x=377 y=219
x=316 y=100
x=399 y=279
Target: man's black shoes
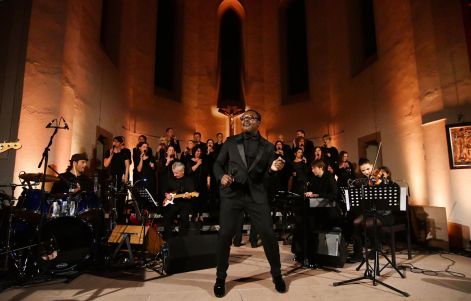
x=220 y=288
x=280 y=285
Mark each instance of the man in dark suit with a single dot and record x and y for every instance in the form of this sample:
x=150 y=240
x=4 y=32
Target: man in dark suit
x=244 y=167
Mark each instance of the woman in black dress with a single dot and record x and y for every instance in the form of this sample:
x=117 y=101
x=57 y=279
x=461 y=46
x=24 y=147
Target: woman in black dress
x=299 y=173
x=144 y=168
x=197 y=169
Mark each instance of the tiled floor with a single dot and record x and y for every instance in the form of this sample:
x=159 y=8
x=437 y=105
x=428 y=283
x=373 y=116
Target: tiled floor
x=249 y=279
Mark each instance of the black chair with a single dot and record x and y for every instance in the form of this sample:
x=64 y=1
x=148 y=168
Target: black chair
x=402 y=223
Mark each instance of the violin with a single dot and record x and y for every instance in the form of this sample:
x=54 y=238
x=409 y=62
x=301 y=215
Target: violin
x=376 y=177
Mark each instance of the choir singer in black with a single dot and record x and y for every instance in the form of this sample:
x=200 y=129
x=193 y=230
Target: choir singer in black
x=244 y=167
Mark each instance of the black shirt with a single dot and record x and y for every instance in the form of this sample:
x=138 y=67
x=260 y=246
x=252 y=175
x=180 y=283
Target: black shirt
x=176 y=145
x=69 y=180
x=181 y=185
x=251 y=142
x=117 y=166
x=146 y=172
x=136 y=154
x=325 y=186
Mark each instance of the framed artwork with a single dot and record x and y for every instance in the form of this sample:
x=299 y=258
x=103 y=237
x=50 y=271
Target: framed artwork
x=458 y=137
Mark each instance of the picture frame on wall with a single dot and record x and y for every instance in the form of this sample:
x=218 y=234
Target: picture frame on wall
x=458 y=138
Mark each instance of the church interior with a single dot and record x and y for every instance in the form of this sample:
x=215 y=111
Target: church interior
x=389 y=81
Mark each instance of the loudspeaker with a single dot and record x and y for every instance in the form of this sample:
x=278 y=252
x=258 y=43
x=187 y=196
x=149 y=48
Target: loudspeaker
x=190 y=253
x=330 y=248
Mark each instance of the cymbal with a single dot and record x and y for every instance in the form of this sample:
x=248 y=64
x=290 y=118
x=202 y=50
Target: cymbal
x=37 y=177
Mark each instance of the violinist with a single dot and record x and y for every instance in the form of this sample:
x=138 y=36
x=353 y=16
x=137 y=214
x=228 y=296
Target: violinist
x=369 y=177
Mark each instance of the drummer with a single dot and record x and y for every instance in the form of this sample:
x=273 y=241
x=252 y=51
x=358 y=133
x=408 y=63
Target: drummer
x=74 y=179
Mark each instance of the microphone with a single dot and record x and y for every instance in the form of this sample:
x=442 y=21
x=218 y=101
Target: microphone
x=141 y=180
x=233 y=173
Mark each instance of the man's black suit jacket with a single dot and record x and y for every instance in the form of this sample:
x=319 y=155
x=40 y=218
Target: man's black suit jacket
x=254 y=178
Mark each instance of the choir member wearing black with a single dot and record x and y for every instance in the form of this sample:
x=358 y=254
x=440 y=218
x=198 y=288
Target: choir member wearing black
x=330 y=152
x=197 y=169
x=144 y=168
x=286 y=148
x=244 y=168
x=284 y=175
x=197 y=141
x=219 y=142
x=299 y=171
x=345 y=171
x=117 y=161
x=177 y=184
x=321 y=184
x=135 y=151
x=172 y=140
x=213 y=187
x=308 y=145
x=164 y=170
x=74 y=178
x=187 y=154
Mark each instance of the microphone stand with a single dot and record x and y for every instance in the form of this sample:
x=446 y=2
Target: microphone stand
x=45 y=160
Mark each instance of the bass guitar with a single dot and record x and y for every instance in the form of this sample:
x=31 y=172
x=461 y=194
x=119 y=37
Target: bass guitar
x=9 y=145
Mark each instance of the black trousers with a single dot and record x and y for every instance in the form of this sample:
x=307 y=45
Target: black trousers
x=182 y=207
x=253 y=238
x=230 y=212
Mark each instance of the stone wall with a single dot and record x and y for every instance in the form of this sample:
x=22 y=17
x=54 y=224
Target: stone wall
x=419 y=82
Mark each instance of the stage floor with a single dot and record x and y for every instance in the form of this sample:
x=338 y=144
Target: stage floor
x=249 y=279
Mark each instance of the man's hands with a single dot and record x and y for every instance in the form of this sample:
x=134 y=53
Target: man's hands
x=277 y=164
x=310 y=194
x=226 y=180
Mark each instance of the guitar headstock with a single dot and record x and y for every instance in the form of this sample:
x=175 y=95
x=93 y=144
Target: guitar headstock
x=9 y=145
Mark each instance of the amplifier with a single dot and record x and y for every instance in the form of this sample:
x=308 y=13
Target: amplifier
x=330 y=248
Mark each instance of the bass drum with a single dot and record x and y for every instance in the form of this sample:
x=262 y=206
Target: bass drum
x=68 y=242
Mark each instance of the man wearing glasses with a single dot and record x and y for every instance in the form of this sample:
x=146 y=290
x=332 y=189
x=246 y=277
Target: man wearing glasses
x=244 y=166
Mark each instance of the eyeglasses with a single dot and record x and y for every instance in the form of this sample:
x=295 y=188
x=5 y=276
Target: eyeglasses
x=248 y=118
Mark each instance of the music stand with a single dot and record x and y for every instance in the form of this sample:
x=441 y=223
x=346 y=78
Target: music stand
x=369 y=200
x=143 y=196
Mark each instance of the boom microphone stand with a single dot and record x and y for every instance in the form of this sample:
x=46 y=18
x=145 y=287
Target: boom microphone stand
x=56 y=125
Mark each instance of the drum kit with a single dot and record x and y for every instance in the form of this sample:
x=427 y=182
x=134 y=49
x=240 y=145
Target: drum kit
x=55 y=234
x=44 y=233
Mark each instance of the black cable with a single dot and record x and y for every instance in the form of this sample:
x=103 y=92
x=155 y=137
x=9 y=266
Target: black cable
x=418 y=270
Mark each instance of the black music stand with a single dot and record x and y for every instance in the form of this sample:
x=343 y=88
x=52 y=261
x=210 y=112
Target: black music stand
x=369 y=200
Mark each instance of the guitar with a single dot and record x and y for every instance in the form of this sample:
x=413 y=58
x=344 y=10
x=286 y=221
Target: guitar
x=9 y=145
x=177 y=196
